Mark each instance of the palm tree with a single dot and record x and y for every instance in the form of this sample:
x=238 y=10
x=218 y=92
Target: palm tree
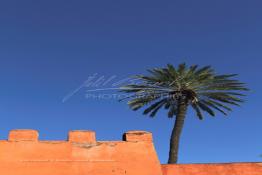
x=176 y=89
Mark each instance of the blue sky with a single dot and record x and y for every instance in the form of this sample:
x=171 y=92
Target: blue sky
x=49 y=48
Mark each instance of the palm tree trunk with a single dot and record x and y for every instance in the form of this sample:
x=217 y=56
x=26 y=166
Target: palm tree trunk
x=176 y=132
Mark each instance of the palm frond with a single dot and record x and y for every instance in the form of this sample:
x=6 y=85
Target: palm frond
x=154 y=106
x=172 y=111
x=208 y=103
x=198 y=111
x=204 y=107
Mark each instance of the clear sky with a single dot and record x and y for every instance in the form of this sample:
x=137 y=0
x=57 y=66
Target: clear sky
x=49 y=48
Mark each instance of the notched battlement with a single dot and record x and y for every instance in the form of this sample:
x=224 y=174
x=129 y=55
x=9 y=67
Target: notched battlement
x=136 y=136
x=78 y=136
x=82 y=136
x=23 y=135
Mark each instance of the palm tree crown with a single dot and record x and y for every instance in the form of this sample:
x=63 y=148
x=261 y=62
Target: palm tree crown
x=176 y=89
x=200 y=88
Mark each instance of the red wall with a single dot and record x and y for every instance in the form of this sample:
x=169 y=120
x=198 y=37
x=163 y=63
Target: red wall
x=213 y=169
x=24 y=154
x=82 y=154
